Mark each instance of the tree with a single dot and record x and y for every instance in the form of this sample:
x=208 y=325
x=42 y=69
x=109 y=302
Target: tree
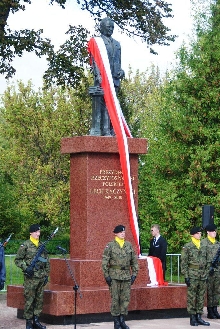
x=31 y=127
x=181 y=171
x=135 y=17
x=140 y=101
x=68 y=66
x=9 y=212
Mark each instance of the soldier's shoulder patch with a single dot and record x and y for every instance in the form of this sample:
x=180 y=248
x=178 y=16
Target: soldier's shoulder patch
x=107 y=246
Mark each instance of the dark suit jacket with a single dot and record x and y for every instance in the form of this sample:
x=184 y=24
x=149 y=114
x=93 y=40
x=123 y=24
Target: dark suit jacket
x=113 y=48
x=159 y=250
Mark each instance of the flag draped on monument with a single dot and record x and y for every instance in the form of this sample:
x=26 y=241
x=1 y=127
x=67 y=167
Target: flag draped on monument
x=98 y=51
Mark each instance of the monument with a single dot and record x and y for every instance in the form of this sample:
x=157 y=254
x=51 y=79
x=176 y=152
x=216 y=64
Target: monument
x=101 y=123
x=103 y=174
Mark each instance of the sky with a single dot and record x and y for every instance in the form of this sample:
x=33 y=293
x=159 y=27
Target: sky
x=55 y=22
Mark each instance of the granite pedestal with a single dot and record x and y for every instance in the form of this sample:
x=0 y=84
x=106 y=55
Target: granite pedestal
x=97 y=204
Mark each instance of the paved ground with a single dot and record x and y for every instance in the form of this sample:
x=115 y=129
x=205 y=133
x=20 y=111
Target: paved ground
x=9 y=320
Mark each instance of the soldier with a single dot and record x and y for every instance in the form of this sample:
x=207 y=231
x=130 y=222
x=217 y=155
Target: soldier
x=34 y=280
x=2 y=268
x=194 y=268
x=120 y=268
x=213 y=284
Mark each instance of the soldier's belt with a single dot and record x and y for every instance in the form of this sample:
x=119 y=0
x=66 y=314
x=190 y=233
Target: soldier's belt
x=116 y=267
x=196 y=267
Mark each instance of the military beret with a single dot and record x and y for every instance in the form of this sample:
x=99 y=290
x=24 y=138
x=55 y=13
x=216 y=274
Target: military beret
x=119 y=228
x=34 y=228
x=211 y=227
x=195 y=230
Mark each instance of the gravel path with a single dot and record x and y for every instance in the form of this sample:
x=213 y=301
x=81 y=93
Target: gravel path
x=9 y=320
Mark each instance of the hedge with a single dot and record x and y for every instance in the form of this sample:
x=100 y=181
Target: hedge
x=13 y=245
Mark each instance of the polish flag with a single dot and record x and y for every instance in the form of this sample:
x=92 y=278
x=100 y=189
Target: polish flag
x=97 y=49
x=155 y=272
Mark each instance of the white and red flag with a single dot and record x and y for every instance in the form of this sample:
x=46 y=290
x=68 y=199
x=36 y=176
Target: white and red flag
x=98 y=51
x=155 y=272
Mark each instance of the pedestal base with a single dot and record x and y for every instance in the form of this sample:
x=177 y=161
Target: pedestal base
x=94 y=306
x=93 y=297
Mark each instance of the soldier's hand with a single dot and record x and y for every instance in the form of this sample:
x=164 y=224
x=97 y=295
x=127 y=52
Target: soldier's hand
x=108 y=280
x=2 y=284
x=29 y=272
x=211 y=271
x=45 y=280
x=187 y=282
x=133 y=277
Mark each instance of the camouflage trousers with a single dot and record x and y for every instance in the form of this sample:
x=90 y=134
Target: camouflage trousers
x=120 y=291
x=196 y=296
x=213 y=290
x=33 y=294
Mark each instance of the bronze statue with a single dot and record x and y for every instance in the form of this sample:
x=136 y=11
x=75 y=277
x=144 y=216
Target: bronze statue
x=101 y=124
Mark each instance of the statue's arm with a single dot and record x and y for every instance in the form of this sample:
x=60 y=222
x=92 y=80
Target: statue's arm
x=96 y=72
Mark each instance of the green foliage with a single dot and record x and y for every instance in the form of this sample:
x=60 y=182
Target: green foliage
x=136 y=17
x=67 y=66
x=181 y=171
x=14 y=274
x=51 y=247
x=8 y=197
x=33 y=124
x=140 y=98
x=179 y=115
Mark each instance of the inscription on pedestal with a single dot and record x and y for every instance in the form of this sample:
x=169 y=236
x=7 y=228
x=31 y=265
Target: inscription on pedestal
x=110 y=184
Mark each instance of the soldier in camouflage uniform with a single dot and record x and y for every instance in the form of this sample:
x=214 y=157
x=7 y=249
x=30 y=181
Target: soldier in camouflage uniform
x=213 y=284
x=194 y=267
x=120 y=268
x=34 y=280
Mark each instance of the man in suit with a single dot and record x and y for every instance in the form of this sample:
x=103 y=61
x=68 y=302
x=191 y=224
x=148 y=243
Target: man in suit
x=114 y=56
x=158 y=246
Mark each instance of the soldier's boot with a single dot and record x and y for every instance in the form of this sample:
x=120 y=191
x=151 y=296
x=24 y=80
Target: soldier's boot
x=201 y=321
x=122 y=322
x=193 y=320
x=37 y=324
x=210 y=313
x=29 y=324
x=215 y=311
x=117 y=324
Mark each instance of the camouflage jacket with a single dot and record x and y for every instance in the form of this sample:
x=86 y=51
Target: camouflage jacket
x=26 y=253
x=212 y=249
x=119 y=263
x=194 y=262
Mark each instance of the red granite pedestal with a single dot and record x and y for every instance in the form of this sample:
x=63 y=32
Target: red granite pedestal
x=97 y=204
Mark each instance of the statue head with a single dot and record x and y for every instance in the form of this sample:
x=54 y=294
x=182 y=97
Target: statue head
x=107 y=26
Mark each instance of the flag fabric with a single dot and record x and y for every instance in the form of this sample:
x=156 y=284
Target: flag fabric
x=97 y=49
x=155 y=272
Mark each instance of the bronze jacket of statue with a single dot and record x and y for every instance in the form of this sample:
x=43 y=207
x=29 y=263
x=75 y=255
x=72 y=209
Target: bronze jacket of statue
x=113 y=48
